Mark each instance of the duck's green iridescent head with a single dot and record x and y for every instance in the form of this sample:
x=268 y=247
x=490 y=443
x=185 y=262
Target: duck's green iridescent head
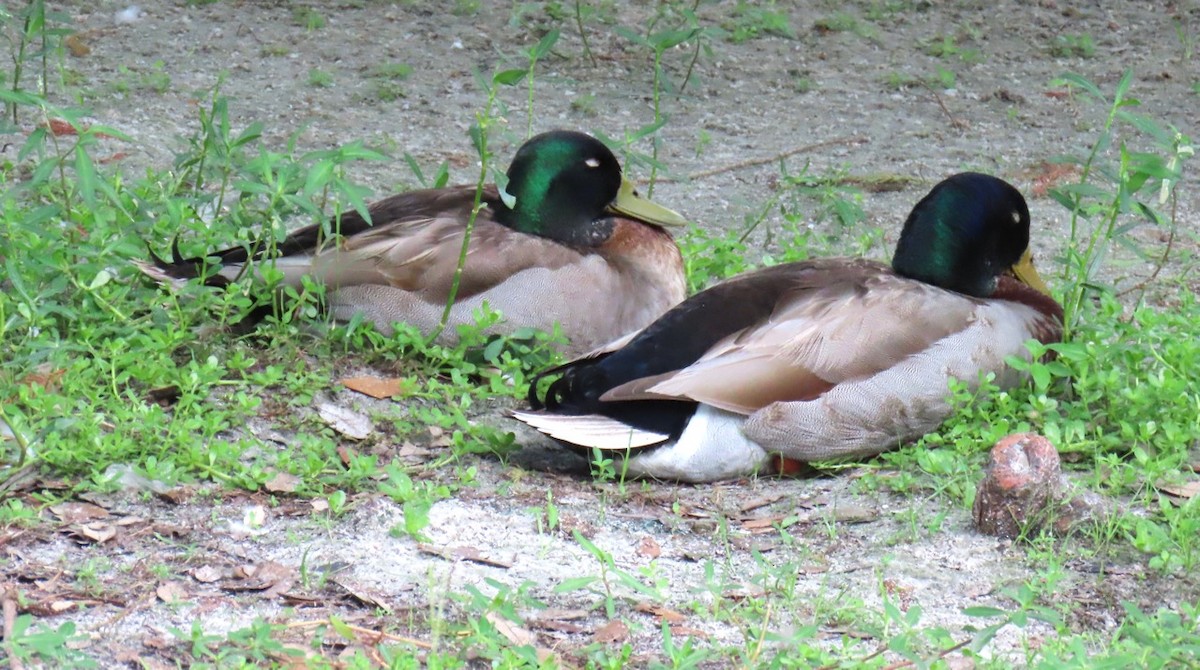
x=565 y=181
x=965 y=233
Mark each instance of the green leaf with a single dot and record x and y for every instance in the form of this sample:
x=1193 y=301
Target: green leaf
x=501 y=178
x=632 y=36
x=672 y=38
x=476 y=134
x=416 y=516
x=102 y=277
x=357 y=151
x=575 y=584
x=251 y=134
x=544 y=45
x=415 y=169
x=1084 y=190
x=509 y=77
x=983 y=637
x=341 y=628
x=1072 y=79
x=983 y=611
x=318 y=177
x=85 y=175
x=591 y=548
x=1123 y=86
x=442 y=177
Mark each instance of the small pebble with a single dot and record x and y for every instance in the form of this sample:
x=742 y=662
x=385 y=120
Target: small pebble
x=129 y=14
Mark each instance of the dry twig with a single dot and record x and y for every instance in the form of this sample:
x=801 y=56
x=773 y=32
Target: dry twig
x=9 y=600
x=754 y=162
x=376 y=635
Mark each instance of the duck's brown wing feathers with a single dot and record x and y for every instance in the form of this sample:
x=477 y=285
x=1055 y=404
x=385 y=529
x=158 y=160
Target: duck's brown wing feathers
x=413 y=244
x=839 y=320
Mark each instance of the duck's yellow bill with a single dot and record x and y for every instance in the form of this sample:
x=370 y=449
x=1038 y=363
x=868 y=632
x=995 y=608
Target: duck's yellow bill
x=634 y=206
x=1024 y=271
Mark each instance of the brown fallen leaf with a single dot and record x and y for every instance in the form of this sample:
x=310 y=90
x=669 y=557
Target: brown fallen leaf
x=44 y=375
x=361 y=595
x=171 y=592
x=303 y=599
x=613 y=631
x=78 y=512
x=377 y=387
x=282 y=482
x=668 y=615
x=1048 y=175
x=158 y=641
x=76 y=46
x=470 y=554
x=177 y=495
x=439 y=437
x=113 y=157
x=60 y=606
x=510 y=631
x=683 y=631
x=206 y=574
x=1186 y=490
x=518 y=635
x=554 y=613
x=556 y=625
x=648 y=547
x=345 y=421
x=268 y=576
x=59 y=127
x=169 y=530
x=752 y=505
x=812 y=569
x=411 y=452
x=694 y=512
x=744 y=590
x=96 y=531
x=767 y=522
x=855 y=514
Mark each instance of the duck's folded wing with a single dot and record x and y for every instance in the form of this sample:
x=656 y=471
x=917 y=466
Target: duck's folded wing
x=419 y=253
x=831 y=330
x=868 y=415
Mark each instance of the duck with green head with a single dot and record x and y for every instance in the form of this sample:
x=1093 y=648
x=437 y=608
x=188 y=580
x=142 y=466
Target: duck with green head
x=822 y=359
x=578 y=248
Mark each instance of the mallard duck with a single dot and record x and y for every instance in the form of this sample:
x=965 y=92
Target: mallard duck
x=822 y=359
x=578 y=247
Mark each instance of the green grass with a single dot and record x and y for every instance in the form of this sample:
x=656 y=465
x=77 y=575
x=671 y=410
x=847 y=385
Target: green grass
x=1072 y=45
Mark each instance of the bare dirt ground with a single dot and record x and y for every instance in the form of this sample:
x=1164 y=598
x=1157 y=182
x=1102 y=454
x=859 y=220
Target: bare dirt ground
x=225 y=558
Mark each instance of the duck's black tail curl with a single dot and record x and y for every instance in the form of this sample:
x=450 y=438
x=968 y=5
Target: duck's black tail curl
x=179 y=269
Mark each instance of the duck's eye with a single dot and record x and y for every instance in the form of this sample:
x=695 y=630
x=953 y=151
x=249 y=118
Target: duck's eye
x=1016 y=216
x=592 y=162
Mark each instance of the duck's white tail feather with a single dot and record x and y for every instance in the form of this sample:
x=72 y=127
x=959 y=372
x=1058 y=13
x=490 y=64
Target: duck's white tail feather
x=158 y=274
x=711 y=447
x=591 y=430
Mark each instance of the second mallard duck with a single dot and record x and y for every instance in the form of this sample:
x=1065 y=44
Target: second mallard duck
x=578 y=247
x=816 y=360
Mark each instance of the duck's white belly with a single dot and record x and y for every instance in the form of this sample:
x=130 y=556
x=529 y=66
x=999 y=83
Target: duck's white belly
x=712 y=447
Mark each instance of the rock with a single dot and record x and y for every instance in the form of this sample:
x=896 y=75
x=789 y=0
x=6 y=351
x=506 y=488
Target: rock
x=1025 y=491
x=1022 y=487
